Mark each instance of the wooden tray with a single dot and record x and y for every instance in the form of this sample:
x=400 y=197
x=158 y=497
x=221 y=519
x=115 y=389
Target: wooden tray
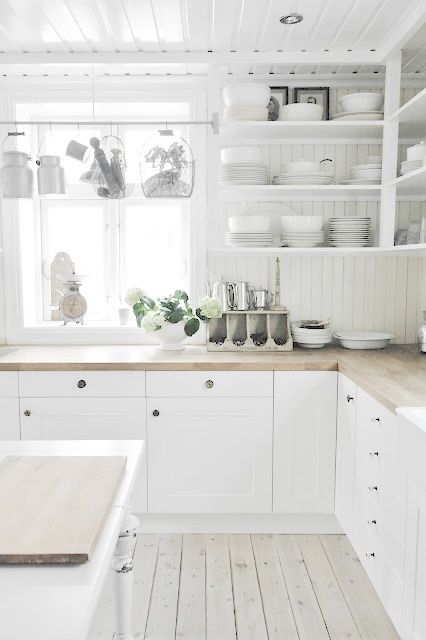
x=52 y=508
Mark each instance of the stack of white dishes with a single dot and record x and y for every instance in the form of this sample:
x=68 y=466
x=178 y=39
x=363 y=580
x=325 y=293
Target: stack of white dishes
x=350 y=231
x=244 y=173
x=360 y=106
x=410 y=165
x=304 y=172
x=369 y=172
x=416 y=158
x=246 y=101
x=311 y=338
x=249 y=231
x=302 y=231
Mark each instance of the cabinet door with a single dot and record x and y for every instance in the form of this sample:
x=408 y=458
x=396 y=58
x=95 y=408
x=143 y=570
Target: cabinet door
x=210 y=455
x=304 y=441
x=345 y=452
x=87 y=419
x=9 y=419
x=414 y=610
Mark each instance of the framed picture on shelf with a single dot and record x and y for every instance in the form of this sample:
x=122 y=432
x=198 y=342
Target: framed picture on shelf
x=279 y=97
x=317 y=95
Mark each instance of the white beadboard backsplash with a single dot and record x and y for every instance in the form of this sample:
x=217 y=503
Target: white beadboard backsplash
x=358 y=293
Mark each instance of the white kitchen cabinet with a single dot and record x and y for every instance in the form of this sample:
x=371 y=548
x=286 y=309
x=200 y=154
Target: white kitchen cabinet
x=210 y=455
x=87 y=419
x=304 y=441
x=414 y=611
x=345 y=452
x=9 y=419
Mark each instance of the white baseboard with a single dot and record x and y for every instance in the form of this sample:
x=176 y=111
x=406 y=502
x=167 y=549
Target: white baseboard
x=239 y=523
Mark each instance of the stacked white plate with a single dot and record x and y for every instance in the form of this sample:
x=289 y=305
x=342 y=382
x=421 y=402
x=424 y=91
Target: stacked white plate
x=249 y=239
x=306 y=177
x=358 y=115
x=244 y=173
x=410 y=165
x=303 y=239
x=350 y=231
x=311 y=338
x=366 y=173
x=360 y=106
x=245 y=112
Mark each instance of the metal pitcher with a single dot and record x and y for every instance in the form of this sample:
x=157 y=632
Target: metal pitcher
x=238 y=296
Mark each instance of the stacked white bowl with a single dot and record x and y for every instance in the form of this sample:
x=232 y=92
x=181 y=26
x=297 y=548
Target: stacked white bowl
x=301 y=111
x=311 y=338
x=360 y=106
x=416 y=158
x=243 y=165
x=246 y=101
x=368 y=172
x=349 y=231
x=302 y=231
x=303 y=172
x=249 y=231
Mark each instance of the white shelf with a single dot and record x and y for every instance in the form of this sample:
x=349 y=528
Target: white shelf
x=412 y=249
x=323 y=129
x=277 y=192
x=412 y=116
x=413 y=183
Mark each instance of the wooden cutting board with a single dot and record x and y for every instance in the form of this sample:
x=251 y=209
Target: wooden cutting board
x=52 y=508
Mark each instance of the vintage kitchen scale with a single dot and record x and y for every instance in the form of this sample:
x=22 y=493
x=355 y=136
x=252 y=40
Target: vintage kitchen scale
x=72 y=304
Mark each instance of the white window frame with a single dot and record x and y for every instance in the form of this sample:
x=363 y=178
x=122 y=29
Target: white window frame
x=109 y=90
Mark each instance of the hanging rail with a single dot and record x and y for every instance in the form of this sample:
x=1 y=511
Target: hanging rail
x=214 y=122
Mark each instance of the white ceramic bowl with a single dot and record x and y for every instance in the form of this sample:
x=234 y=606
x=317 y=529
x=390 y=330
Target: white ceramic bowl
x=362 y=101
x=417 y=151
x=304 y=166
x=302 y=223
x=248 y=224
x=363 y=339
x=367 y=174
x=247 y=93
x=230 y=155
x=301 y=111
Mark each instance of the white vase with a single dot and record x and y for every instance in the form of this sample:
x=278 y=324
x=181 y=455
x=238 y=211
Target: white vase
x=171 y=336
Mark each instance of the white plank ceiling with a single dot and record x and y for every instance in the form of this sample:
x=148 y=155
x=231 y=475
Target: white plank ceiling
x=89 y=26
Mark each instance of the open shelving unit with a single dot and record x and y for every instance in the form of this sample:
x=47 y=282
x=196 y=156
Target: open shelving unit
x=401 y=125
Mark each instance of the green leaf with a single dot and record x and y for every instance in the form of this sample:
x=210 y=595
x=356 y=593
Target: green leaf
x=200 y=315
x=192 y=326
x=181 y=295
x=176 y=316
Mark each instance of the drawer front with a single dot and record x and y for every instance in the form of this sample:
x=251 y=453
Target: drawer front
x=374 y=417
x=80 y=384
x=209 y=384
x=381 y=494
x=8 y=384
x=385 y=579
x=373 y=518
x=373 y=450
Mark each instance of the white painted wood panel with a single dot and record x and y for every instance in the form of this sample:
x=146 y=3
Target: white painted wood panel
x=345 y=452
x=8 y=384
x=209 y=384
x=9 y=419
x=82 y=384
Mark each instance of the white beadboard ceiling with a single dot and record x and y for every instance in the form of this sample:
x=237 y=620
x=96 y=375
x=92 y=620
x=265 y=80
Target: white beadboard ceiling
x=62 y=28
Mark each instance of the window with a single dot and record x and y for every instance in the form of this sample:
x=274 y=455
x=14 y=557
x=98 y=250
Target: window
x=113 y=244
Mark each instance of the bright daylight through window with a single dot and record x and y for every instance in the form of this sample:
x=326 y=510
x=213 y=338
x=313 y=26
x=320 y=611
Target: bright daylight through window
x=113 y=244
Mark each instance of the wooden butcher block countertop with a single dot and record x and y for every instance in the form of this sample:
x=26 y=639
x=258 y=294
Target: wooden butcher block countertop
x=395 y=376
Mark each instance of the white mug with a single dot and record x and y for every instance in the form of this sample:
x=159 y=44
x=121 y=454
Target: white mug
x=77 y=150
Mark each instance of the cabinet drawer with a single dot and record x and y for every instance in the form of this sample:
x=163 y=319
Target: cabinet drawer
x=209 y=384
x=385 y=579
x=372 y=449
x=80 y=384
x=8 y=384
x=389 y=503
x=374 y=417
x=372 y=517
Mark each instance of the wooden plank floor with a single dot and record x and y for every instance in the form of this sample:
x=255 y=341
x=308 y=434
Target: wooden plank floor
x=242 y=587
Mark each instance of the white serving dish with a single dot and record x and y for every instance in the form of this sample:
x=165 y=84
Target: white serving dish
x=363 y=339
x=249 y=224
x=250 y=93
x=417 y=151
x=363 y=101
x=302 y=223
x=301 y=111
x=236 y=155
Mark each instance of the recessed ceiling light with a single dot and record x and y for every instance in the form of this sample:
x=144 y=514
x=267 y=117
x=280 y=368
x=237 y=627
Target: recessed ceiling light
x=292 y=18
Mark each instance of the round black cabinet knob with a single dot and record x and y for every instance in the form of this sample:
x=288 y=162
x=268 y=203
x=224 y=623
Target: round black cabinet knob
x=27 y=413
x=155 y=413
x=209 y=384
x=81 y=384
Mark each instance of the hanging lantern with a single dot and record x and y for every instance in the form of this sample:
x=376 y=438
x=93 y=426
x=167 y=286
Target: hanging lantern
x=16 y=176
x=167 y=166
x=108 y=170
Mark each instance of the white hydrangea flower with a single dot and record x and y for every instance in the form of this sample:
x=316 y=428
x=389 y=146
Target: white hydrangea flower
x=209 y=307
x=152 y=321
x=134 y=295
